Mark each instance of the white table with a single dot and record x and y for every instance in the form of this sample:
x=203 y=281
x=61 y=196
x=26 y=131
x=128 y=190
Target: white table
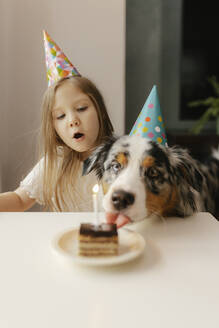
x=174 y=284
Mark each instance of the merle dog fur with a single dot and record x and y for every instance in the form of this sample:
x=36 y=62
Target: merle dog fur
x=192 y=179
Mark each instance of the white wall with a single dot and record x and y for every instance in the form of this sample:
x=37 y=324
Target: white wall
x=92 y=35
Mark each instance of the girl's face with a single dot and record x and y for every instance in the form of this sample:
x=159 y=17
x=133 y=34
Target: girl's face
x=75 y=118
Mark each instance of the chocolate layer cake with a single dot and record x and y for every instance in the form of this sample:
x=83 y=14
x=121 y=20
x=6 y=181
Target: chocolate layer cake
x=98 y=240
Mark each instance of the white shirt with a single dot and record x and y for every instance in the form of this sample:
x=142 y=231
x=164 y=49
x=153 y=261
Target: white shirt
x=82 y=198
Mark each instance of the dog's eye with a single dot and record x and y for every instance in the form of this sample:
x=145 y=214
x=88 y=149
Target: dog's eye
x=116 y=167
x=152 y=172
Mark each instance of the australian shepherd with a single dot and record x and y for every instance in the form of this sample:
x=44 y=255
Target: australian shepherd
x=145 y=178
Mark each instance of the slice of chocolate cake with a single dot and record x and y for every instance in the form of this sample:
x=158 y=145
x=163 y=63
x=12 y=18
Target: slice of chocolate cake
x=98 y=240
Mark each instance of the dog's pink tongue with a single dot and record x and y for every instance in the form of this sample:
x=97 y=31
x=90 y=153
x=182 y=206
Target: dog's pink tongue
x=117 y=218
x=122 y=220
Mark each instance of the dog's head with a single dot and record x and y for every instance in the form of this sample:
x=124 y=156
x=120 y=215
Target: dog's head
x=145 y=178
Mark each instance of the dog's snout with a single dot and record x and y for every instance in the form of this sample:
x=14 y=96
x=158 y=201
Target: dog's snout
x=122 y=199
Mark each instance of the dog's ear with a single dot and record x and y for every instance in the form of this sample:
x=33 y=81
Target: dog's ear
x=186 y=168
x=96 y=160
x=192 y=175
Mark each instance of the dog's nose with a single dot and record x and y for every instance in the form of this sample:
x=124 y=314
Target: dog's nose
x=122 y=199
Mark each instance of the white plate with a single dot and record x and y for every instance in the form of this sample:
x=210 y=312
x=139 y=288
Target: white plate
x=131 y=245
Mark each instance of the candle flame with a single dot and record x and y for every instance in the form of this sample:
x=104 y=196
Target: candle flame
x=95 y=188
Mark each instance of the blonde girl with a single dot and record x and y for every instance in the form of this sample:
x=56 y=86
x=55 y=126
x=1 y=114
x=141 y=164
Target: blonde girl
x=74 y=122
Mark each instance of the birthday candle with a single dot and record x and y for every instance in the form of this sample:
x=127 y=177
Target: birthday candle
x=95 y=203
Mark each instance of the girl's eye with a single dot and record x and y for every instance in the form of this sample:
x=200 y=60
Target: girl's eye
x=60 y=117
x=116 y=167
x=82 y=109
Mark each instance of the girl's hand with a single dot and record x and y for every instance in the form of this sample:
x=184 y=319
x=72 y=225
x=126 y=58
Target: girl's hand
x=119 y=219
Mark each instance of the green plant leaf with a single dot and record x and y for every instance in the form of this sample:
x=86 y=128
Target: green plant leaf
x=213 y=81
x=211 y=102
x=205 y=102
x=196 y=129
x=215 y=111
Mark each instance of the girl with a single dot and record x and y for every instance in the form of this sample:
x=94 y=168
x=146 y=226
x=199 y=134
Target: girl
x=74 y=121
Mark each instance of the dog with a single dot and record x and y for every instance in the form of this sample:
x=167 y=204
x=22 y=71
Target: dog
x=145 y=178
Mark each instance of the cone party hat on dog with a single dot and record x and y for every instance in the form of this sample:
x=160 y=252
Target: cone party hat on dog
x=149 y=123
x=57 y=64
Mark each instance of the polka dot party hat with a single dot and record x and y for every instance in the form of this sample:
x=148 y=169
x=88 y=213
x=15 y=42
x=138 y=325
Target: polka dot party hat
x=57 y=64
x=149 y=123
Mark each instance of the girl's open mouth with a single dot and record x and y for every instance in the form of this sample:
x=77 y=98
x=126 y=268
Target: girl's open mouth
x=78 y=136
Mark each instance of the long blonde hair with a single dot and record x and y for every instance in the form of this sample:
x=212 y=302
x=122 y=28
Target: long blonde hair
x=60 y=170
